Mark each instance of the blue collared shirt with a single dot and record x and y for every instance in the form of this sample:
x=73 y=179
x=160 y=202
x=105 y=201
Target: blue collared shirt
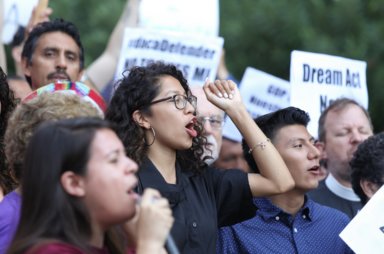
x=314 y=229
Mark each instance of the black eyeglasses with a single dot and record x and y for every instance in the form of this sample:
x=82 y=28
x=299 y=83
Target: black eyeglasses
x=179 y=100
x=216 y=122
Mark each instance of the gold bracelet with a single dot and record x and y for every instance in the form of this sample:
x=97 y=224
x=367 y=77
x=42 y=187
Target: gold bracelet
x=261 y=144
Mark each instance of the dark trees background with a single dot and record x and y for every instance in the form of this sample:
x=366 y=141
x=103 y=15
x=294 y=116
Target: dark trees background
x=262 y=34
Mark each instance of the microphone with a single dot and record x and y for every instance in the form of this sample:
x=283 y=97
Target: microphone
x=170 y=245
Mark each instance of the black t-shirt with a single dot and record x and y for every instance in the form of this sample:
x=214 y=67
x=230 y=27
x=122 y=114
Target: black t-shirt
x=201 y=203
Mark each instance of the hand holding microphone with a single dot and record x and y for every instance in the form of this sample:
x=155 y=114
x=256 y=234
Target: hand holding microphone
x=154 y=223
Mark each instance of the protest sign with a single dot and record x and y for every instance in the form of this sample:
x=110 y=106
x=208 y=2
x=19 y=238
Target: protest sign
x=196 y=56
x=15 y=13
x=365 y=233
x=318 y=79
x=186 y=16
x=262 y=93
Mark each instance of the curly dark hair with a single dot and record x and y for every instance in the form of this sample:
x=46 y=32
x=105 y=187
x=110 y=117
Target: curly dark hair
x=8 y=104
x=135 y=92
x=368 y=164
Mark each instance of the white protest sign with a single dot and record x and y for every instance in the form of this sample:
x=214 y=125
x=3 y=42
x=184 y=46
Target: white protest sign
x=262 y=93
x=15 y=13
x=365 y=233
x=317 y=79
x=187 y=16
x=197 y=57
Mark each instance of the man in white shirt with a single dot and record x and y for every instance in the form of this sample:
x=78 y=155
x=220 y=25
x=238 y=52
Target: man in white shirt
x=342 y=127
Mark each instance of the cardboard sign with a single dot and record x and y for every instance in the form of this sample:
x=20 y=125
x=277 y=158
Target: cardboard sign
x=197 y=57
x=15 y=13
x=262 y=93
x=317 y=79
x=365 y=233
x=186 y=16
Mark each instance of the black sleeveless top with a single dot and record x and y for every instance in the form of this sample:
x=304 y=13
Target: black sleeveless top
x=201 y=203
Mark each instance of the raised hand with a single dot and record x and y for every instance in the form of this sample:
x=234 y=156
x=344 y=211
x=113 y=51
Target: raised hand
x=40 y=14
x=224 y=94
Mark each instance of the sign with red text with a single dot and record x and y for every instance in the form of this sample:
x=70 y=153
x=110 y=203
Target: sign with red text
x=197 y=57
x=15 y=13
x=365 y=233
x=318 y=79
x=186 y=16
x=262 y=93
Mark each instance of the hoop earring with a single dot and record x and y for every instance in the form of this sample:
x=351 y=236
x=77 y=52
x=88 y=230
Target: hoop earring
x=154 y=137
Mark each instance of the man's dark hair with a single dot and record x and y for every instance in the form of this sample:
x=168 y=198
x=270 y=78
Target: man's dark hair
x=271 y=123
x=18 y=38
x=56 y=25
x=368 y=164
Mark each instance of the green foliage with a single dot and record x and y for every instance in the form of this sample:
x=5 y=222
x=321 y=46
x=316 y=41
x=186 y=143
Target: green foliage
x=95 y=20
x=262 y=34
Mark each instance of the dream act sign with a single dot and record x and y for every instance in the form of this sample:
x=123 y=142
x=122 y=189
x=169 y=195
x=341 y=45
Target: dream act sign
x=318 y=79
x=197 y=57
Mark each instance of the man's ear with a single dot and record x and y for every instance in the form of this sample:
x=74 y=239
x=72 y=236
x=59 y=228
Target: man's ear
x=368 y=187
x=25 y=66
x=16 y=54
x=140 y=119
x=321 y=146
x=73 y=184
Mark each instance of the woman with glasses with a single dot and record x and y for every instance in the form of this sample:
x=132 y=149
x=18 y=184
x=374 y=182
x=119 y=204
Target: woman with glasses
x=155 y=116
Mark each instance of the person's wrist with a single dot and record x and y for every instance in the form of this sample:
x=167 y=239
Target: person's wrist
x=223 y=74
x=238 y=110
x=148 y=246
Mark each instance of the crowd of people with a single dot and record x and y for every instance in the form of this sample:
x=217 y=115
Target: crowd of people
x=154 y=170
